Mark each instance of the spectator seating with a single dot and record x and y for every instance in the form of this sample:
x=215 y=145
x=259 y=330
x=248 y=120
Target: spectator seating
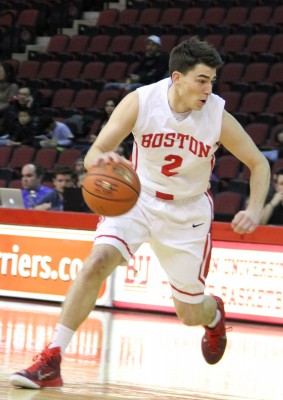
x=226 y=205
x=72 y=71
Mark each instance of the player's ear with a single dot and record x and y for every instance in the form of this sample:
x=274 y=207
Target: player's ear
x=176 y=76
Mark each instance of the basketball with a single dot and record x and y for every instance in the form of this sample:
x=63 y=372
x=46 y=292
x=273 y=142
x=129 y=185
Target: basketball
x=111 y=189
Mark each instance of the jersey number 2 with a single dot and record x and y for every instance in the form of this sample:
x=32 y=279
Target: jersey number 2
x=174 y=162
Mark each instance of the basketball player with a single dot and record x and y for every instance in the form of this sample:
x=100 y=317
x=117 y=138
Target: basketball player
x=178 y=125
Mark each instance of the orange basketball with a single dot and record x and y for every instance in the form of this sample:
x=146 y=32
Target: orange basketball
x=111 y=189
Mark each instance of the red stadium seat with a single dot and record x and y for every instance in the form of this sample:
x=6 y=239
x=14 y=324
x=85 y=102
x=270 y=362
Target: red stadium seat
x=5 y=155
x=68 y=157
x=46 y=157
x=21 y=155
x=226 y=205
x=227 y=167
x=56 y=45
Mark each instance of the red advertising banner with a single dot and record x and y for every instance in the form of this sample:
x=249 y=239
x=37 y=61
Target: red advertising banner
x=40 y=263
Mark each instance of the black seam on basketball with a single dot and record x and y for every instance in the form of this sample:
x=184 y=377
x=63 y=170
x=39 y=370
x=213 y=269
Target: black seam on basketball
x=117 y=179
x=106 y=198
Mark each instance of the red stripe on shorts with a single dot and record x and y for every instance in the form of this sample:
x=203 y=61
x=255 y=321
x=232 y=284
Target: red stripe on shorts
x=119 y=239
x=186 y=293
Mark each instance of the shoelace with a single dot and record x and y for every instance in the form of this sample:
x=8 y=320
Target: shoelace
x=213 y=335
x=42 y=359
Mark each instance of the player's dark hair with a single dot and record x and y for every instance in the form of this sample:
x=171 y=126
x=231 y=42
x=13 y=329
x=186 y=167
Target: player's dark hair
x=186 y=55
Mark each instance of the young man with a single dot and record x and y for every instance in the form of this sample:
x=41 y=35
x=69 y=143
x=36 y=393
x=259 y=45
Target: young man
x=55 y=133
x=152 y=67
x=178 y=125
x=54 y=200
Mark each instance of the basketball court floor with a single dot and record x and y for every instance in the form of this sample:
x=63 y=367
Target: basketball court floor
x=141 y=356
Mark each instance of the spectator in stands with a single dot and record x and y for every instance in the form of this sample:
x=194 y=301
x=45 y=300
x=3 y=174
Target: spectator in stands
x=273 y=152
x=79 y=166
x=80 y=170
x=279 y=143
x=273 y=210
x=24 y=100
x=55 y=133
x=109 y=107
x=8 y=87
x=33 y=190
x=152 y=67
x=22 y=131
x=54 y=200
x=125 y=148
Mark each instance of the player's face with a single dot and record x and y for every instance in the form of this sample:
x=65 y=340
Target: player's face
x=195 y=86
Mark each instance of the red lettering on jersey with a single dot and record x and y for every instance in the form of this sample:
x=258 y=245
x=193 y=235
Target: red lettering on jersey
x=157 y=140
x=177 y=140
x=146 y=140
x=193 y=146
x=182 y=137
x=169 y=139
x=203 y=150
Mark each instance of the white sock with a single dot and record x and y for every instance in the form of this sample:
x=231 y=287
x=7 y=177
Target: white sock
x=216 y=320
x=61 y=338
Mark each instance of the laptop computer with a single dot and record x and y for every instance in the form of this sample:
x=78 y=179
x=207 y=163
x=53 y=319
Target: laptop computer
x=74 y=201
x=11 y=198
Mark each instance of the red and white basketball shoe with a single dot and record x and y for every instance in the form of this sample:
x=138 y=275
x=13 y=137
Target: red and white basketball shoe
x=214 y=340
x=45 y=372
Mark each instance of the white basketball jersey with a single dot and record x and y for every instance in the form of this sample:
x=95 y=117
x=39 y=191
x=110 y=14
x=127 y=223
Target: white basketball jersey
x=171 y=157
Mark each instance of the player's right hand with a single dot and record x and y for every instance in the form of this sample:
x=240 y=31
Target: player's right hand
x=244 y=222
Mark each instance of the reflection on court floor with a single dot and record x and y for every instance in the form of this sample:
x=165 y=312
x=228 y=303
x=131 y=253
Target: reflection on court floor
x=127 y=355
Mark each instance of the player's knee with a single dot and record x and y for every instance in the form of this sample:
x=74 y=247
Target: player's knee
x=99 y=265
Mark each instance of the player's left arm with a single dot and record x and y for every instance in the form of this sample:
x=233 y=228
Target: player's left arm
x=235 y=139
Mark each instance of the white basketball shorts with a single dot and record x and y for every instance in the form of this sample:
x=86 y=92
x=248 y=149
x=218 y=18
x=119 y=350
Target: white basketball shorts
x=178 y=232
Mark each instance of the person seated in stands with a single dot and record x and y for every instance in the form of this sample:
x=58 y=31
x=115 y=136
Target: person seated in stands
x=54 y=200
x=33 y=190
x=25 y=100
x=273 y=210
x=108 y=109
x=152 y=67
x=54 y=133
x=80 y=170
x=22 y=101
x=272 y=153
x=22 y=131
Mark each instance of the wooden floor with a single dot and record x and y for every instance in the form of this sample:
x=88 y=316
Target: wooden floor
x=118 y=355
